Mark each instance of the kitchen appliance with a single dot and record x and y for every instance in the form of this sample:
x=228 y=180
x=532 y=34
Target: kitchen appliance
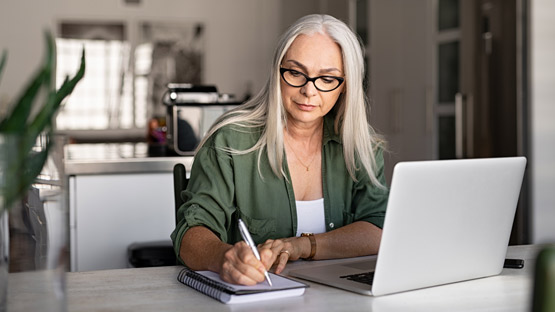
x=191 y=111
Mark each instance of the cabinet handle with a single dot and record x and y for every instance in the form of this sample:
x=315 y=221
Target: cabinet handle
x=459 y=125
x=469 y=131
x=464 y=125
x=429 y=110
x=488 y=42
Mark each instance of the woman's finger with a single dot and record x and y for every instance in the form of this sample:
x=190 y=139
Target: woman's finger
x=232 y=275
x=267 y=257
x=266 y=244
x=282 y=260
x=240 y=266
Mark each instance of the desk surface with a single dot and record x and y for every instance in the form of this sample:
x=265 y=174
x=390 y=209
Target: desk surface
x=156 y=289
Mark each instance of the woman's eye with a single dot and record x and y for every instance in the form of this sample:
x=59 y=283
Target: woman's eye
x=295 y=73
x=328 y=80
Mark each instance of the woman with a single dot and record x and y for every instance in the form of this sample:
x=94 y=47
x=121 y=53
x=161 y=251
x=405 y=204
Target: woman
x=299 y=164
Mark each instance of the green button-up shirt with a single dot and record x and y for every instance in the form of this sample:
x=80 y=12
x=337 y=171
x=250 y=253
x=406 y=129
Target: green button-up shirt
x=224 y=187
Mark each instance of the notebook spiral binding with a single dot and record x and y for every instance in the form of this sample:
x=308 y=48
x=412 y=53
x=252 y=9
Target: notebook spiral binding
x=203 y=284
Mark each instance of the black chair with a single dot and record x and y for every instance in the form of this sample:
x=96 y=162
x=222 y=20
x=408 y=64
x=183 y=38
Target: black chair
x=160 y=253
x=180 y=182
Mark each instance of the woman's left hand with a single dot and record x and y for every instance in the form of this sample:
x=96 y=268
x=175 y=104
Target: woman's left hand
x=356 y=239
x=279 y=251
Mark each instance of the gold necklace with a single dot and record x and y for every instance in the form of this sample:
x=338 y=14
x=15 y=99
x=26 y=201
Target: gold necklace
x=299 y=159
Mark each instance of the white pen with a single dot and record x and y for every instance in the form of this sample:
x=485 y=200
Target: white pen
x=248 y=239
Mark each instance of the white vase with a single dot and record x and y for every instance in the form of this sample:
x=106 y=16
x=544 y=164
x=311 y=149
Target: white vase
x=37 y=241
x=4 y=256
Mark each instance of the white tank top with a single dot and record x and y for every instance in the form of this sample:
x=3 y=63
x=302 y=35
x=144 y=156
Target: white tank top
x=310 y=216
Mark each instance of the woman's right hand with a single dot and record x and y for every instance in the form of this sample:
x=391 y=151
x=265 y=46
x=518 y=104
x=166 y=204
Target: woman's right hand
x=201 y=249
x=240 y=266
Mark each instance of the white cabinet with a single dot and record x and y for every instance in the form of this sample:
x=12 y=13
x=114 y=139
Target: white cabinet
x=108 y=212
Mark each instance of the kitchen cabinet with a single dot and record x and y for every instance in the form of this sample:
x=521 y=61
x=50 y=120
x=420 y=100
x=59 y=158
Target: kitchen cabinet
x=115 y=202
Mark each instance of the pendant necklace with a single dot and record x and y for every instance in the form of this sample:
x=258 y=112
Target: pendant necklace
x=299 y=158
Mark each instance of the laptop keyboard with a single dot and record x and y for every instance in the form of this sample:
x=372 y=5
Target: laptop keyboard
x=365 y=278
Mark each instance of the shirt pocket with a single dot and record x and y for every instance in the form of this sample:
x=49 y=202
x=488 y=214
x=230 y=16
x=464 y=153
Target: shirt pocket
x=348 y=217
x=339 y=217
x=260 y=229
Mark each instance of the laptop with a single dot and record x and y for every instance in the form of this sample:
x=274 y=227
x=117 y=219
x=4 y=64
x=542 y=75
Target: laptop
x=446 y=221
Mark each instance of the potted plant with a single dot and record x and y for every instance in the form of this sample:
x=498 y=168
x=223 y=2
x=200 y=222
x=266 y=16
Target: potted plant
x=25 y=166
x=30 y=117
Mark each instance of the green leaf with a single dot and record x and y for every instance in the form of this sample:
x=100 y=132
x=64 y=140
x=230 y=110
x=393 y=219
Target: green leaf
x=40 y=123
x=68 y=87
x=24 y=163
x=45 y=117
x=3 y=62
x=50 y=58
x=17 y=120
x=28 y=168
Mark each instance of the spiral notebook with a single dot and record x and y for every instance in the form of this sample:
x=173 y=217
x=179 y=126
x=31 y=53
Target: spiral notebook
x=210 y=284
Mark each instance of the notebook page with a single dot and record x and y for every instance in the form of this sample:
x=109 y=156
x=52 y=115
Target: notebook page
x=279 y=282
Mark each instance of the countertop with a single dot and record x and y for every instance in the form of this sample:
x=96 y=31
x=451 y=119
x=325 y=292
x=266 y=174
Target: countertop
x=114 y=158
x=157 y=289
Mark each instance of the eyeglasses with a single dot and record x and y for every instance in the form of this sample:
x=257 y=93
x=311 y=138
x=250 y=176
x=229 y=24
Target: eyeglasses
x=322 y=83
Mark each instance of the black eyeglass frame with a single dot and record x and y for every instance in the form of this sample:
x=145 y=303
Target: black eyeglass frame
x=282 y=71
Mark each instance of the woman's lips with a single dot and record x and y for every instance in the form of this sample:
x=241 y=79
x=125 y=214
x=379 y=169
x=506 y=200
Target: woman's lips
x=305 y=107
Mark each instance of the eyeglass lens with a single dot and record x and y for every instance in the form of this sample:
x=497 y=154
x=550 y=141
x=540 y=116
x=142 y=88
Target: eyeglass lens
x=323 y=83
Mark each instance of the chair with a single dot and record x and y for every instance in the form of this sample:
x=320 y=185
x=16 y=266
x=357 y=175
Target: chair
x=160 y=253
x=180 y=183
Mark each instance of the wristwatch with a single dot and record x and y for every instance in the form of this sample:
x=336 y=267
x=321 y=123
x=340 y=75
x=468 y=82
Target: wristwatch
x=312 y=244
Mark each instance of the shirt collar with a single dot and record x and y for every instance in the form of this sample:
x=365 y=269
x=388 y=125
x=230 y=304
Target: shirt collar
x=329 y=131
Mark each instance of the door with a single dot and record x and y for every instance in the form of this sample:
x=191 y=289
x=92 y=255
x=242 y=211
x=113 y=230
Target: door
x=478 y=112
x=444 y=81
x=477 y=79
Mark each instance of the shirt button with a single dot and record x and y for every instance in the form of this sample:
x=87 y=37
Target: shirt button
x=331 y=225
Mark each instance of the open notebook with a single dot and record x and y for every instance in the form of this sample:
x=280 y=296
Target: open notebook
x=210 y=284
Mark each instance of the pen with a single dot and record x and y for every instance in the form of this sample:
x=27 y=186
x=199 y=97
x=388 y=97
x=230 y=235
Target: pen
x=248 y=239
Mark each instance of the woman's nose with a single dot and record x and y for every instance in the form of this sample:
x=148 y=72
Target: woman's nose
x=309 y=89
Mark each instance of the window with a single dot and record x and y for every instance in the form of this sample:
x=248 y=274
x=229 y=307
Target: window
x=124 y=79
x=105 y=98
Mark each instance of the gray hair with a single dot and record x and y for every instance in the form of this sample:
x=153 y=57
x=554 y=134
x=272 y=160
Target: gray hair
x=266 y=108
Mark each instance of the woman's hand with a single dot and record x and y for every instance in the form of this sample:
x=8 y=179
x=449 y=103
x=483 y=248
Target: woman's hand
x=201 y=249
x=279 y=251
x=240 y=266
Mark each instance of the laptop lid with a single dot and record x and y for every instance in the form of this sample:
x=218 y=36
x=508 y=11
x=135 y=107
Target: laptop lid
x=446 y=221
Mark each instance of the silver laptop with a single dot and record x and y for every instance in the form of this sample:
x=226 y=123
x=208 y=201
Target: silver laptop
x=446 y=221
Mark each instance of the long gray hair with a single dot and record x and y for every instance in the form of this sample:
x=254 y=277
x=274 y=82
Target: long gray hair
x=266 y=109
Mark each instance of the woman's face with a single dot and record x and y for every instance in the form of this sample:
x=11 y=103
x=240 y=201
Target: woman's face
x=313 y=55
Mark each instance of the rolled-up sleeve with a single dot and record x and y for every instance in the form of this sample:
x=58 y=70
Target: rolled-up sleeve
x=370 y=201
x=209 y=197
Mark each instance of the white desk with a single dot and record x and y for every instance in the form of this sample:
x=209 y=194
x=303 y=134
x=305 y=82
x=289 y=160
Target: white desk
x=156 y=289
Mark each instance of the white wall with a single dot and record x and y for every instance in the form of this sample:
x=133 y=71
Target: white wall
x=240 y=34
x=542 y=89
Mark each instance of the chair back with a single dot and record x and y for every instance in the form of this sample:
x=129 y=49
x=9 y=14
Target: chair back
x=180 y=182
